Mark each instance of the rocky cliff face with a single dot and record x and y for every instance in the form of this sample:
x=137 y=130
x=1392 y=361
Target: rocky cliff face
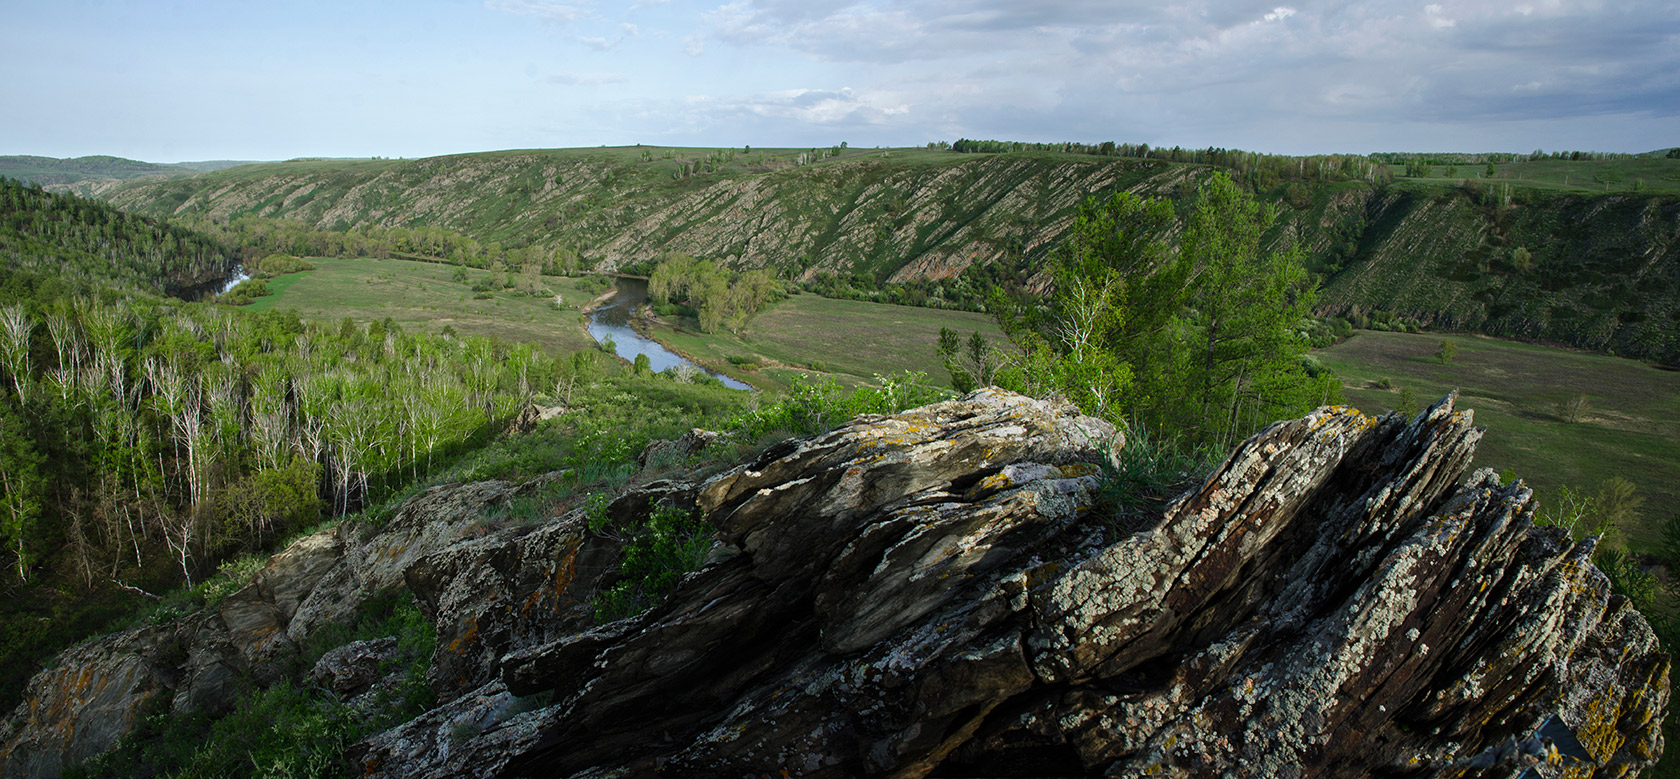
x=936 y=594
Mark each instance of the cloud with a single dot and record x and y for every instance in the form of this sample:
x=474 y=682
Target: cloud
x=694 y=45
x=1212 y=65
x=542 y=9
x=1432 y=14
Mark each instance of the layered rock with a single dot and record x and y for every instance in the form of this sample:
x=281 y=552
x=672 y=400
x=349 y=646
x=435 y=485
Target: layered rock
x=943 y=593
x=931 y=594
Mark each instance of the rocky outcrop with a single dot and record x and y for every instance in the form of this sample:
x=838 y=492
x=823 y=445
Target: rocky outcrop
x=942 y=593
x=95 y=693
x=930 y=594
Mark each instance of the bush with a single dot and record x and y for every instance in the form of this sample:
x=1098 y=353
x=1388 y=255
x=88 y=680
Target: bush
x=1574 y=409
x=245 y=293
x=751 y=362
x=288 y=729
x=276 y=265
x=815 y=406
x=672 y=543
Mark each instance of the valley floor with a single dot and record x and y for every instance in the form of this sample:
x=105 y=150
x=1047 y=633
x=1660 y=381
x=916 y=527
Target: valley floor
x=1631 y=428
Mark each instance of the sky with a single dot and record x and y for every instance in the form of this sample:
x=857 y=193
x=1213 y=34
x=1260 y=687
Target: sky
x=197 y=80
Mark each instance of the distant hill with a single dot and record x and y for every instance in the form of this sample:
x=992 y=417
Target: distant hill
x=80 y=240
x=66 y=174
x=1599 y=265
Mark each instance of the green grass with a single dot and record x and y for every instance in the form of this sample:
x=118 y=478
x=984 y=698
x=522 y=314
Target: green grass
x=421 y=295
x=1633 y=429
x=853 y=339
x=1620 y=175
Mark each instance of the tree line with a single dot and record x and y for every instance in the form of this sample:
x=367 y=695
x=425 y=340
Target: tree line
x=251 y=237
x=1255 y=169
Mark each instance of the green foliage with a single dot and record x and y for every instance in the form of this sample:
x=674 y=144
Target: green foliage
x=1408 y=406
x=972 y=364
x=816 y=406
x=751 y=362
x=1207 y=341
x=1147 y=473
x=656 y=555
x=73 y=237
x=245 y=293
x=1628 y=578
x=1446 y=351
x=718 y=297
x=288 y=729
x=595 y=285
x=22 y=489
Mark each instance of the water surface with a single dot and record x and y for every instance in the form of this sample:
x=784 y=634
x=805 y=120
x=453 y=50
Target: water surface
x=612 y=319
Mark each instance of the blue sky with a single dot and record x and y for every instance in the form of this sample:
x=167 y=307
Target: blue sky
x=190 y=80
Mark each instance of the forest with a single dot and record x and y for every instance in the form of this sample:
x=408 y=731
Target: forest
x=145 y=439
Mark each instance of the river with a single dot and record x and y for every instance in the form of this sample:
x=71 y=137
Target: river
x=612 y=319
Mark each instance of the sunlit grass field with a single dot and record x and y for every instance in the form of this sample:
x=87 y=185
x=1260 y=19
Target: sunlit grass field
x=421 y=295
x=854 y=340
x=1632 y=428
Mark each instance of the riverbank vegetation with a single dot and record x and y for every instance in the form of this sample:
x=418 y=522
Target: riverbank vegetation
x=715 y=297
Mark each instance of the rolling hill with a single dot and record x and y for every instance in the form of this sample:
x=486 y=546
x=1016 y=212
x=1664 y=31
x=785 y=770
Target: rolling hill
x=1592 y=265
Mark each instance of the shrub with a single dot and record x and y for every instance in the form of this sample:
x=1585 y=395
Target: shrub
x=672 y=543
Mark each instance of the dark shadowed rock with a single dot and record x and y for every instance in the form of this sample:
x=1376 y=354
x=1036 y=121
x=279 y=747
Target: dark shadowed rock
x=351 y=669
x=929 y=594
x=665 y=453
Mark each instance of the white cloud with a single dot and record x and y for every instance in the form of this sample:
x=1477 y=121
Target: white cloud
x=1432 y=13
x=1279 y=14
x=694 y=45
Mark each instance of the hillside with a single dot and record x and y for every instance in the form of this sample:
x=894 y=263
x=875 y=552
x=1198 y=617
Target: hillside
x=78 y=174
x=913 y=214
x=1595 y=269
x=73 y=238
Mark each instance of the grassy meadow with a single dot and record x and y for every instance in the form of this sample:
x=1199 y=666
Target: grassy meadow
x=1641 y=174
x=853 y=339
x=421 y=295
x=1632 y=428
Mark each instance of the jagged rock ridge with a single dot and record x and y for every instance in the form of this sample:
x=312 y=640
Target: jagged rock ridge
x=932 y=594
